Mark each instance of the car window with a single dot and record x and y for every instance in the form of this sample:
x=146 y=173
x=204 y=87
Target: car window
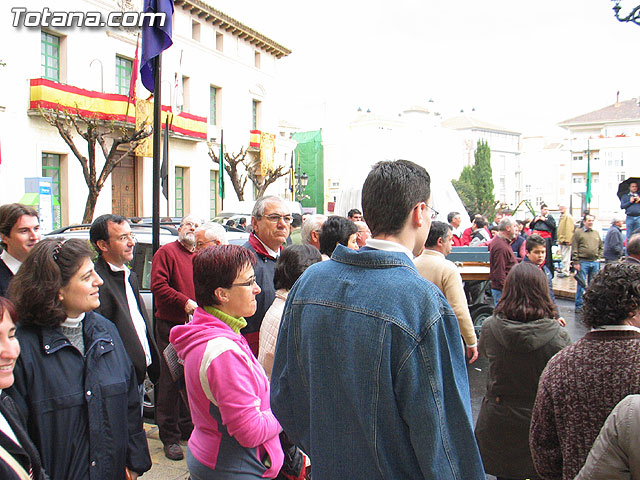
x=142 y=256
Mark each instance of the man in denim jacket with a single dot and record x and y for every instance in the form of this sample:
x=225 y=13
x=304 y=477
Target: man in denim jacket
x=369 y=376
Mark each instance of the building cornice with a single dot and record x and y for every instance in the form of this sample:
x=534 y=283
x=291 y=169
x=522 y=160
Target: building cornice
x=232 y=26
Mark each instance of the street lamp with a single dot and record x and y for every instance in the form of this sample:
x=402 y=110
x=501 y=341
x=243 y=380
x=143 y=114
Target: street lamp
x=634 y=16
x=301 y=183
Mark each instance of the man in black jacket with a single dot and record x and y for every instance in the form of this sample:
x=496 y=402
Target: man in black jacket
x=120 y=299
x=19 y=232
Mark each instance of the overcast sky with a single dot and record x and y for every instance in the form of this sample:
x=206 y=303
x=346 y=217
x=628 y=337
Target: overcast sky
x=523 y=65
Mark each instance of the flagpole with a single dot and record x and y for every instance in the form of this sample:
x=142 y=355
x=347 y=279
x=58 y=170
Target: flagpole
x=157 y=128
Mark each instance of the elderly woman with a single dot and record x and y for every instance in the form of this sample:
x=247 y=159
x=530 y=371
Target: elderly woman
x=74 y=382
x=293 y=261
x=519 y=339
x=584 y=382
x=337 y=230
x=21 y=455
x=235 y=434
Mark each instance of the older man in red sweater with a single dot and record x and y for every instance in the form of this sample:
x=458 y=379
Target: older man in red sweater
x=501 y=257
x=173 y=294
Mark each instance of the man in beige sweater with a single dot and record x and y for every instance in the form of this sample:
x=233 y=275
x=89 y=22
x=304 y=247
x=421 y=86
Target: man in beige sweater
x=433 y=266
x=565 y=236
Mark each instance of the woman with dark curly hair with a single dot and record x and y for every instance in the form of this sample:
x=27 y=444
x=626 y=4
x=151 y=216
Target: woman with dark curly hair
x=584 y=382
x=74 y=382
x=293 y=261
x=519 y=339
x=337 y=230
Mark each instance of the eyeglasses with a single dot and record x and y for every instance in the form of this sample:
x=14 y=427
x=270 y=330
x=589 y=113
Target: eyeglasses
x=190 y=225
x=126 y=238
x=434 y=212
x=202 y=244
x=249 y=283
x=275 y=218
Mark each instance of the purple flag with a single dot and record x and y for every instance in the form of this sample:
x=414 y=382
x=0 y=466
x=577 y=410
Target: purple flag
x=155 y=37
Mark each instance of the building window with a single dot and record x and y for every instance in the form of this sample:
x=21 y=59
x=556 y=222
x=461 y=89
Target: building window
x=257 y=60
x=124 y=67
x=577 y=158
x=179 y=192
x=213 y=193
x=186 y=94
x=51 y=168
x=50 y=56
x=578 y=179
x=219 y=41
x=195 y=30
x=213 y=105
x=255 y=115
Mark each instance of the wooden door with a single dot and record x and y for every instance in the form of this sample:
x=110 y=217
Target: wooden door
x=123 y=188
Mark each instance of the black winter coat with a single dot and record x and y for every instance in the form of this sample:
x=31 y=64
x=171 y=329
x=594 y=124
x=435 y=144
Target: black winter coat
x=25 y=453
x=5 y=277
x=82 y=412
x=114 y=307
x=517 y=353
x=264 y=269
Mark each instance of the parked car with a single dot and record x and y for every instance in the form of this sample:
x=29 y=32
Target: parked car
x=141 y=264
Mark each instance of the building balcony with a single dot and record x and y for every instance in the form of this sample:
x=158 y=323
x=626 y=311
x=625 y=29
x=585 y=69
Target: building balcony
x=49 y=95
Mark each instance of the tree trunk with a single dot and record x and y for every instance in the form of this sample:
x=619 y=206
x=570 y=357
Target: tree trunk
x=90 y=207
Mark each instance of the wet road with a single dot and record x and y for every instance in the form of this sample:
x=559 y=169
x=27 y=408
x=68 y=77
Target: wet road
x=478 y=370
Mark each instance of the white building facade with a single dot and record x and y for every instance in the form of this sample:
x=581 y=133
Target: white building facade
x=607 y=140
x=227 y=71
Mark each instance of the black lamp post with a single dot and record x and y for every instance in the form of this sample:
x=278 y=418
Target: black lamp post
x=301 y=183
x=634 y=15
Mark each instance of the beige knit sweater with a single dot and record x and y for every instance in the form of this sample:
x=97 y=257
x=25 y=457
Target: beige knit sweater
x=444 y=274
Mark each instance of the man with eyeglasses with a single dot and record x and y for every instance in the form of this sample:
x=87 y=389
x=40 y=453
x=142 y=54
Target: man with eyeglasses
x=271 y=220
x=120 y=299
x=369 y=376
x=210 y=234
x=173 y=296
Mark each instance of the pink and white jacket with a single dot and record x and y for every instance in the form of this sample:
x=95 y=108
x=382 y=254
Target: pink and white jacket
x=221 y=370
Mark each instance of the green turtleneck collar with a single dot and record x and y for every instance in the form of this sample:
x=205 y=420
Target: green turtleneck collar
x=236 y=324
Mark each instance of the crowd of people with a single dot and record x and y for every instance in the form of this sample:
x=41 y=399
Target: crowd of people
x=325 y=347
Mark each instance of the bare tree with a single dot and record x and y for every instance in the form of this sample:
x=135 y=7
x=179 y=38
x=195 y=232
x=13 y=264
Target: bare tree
x=231 y=163
x=262 y=182
x=94 y=131
x=251 y=172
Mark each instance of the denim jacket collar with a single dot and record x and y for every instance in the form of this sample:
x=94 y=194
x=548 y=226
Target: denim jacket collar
x=369 y=257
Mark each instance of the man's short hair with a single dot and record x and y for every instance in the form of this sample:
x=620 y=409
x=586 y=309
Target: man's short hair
x=439 y=230
x=535 y=240
x=261 y=204
x=480 y=222
x=392 y=189
x=505 y=223
x=9 y=216
x=100 y=228
x=633 y=247
x=313 y=223
x=297 y=220
x=352 y=212
x=213 y=231
x=452 y=215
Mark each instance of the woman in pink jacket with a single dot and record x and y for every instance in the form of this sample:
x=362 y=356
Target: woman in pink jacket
x=235 y=435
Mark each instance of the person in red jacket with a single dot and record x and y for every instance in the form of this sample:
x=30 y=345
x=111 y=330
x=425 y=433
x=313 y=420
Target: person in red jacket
x=173 y=296
x=455 y=220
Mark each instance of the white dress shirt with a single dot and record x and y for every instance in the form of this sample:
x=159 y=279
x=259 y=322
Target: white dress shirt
x=10 y=261
x=137 y=318
x=388 y=246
